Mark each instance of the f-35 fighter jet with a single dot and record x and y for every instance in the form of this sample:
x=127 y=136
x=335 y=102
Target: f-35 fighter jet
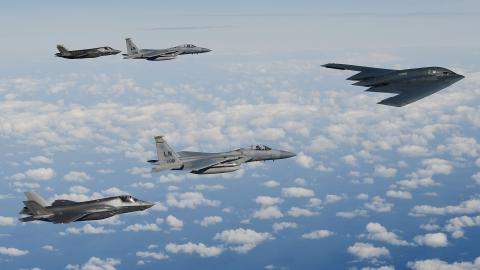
x=410 y=85
x=86 y=53
x=211 y=163
x=65 y=211
x=160 y=54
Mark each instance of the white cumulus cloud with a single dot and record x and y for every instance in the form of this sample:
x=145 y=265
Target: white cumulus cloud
x=10 y=251
x=375 y=231
x=242 y=240
x=432 y=240
x=189 y=200
x=318 y=234
x=198 y=248
x=297 y=192
x=367 y=251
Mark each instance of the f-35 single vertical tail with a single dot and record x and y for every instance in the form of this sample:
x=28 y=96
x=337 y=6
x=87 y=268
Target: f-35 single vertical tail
x=36 y=207
x=63 y=50
x=35 y=197
x=167 y=158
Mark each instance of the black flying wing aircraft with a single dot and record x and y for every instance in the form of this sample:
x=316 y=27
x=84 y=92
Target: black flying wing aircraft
x=410 y=85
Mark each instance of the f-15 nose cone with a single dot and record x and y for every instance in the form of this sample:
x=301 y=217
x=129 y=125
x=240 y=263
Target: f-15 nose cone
x=286 y=154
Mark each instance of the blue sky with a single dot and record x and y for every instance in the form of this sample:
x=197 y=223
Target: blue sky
x=372 y=187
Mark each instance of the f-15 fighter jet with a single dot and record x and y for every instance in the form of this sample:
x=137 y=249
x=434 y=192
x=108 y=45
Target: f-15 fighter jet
x=410 y=85
x=211 y=163
x=160 y=54
x=65 y=211
x=86 y=53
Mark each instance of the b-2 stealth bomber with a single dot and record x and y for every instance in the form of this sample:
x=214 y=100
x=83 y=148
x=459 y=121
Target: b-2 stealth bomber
x=133 y=52
x=211 y=163
x=410 y=85
x=66 y=211
x=86 y=53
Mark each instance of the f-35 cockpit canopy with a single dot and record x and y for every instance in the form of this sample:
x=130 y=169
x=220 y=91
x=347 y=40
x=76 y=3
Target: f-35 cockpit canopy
x=128 y=199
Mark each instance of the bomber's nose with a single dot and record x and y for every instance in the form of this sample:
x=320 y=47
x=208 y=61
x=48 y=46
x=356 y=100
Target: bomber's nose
x=457 y=77
x=206 y=50
x=286 y=154
x=116 y=51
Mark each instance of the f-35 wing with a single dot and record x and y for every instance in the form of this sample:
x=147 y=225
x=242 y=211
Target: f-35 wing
x=68 y=217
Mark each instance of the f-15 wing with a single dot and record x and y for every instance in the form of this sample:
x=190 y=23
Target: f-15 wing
x=207 y=162
x=167 y=55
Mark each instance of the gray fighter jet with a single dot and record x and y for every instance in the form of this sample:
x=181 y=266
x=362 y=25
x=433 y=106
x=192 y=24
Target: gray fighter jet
x=86 y=53
x=211 y=163
x=410 y=85
x=160 y=55
x=65 y=211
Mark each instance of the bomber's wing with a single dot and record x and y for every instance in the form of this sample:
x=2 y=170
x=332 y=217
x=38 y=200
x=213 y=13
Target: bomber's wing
x=68 y=217
x=405 y=97
x=365 y=73
x=375 y=79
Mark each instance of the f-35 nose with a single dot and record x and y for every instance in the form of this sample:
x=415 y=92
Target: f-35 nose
x=146 y=205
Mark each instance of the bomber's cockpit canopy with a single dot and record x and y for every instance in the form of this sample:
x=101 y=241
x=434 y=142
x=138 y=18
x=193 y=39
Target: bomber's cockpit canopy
x=440 y=71
x=261 y=147
x=128 y=199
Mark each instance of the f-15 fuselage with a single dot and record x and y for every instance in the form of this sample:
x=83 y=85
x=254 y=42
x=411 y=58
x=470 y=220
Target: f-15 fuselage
x=133 y=52
x=211 y=163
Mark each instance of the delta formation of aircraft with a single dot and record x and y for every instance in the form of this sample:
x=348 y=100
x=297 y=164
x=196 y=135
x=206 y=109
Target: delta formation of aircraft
x=409 y=85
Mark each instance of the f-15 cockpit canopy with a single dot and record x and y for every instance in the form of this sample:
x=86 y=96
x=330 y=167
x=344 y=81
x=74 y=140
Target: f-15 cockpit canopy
x=128 y=199
x=188 y=46
x=260 y=147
